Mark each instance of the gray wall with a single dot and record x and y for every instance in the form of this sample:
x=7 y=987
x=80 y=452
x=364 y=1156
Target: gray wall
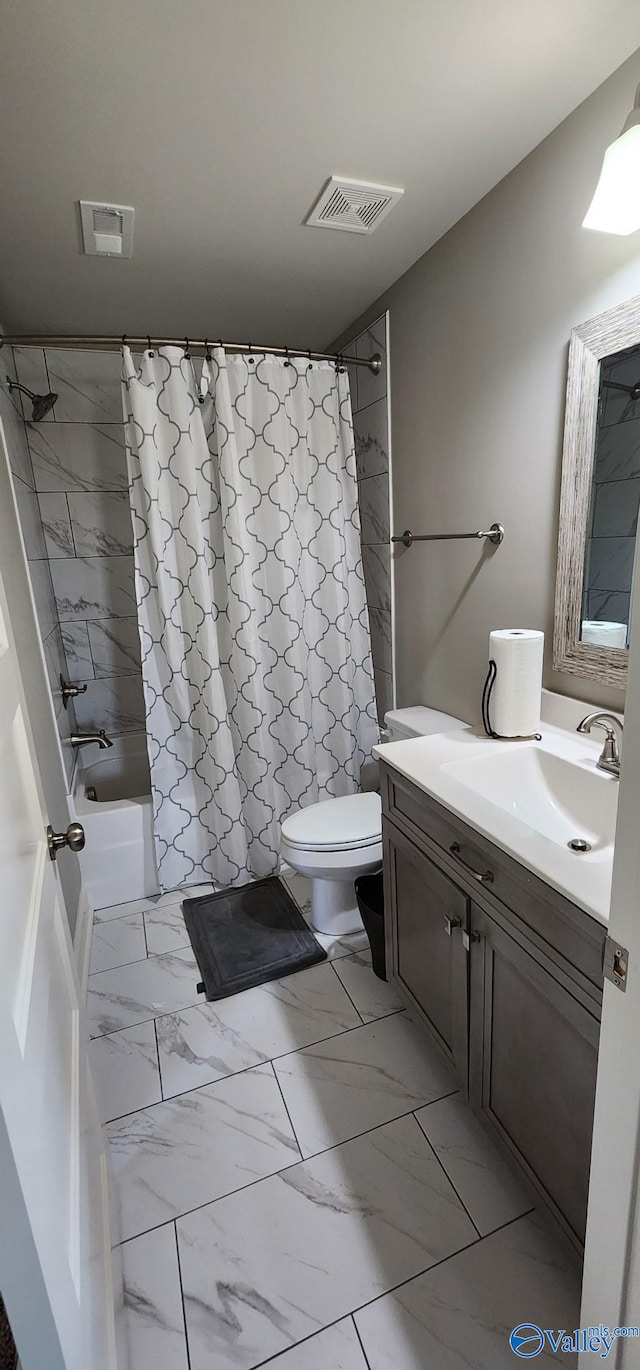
x=80 y=474
x=479 y=329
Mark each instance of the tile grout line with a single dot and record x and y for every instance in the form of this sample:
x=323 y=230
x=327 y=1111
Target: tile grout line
x=344 y=987
x=444 y=1169
x=155 y=1038
x=144 y=921
x=370 y=1302
x=286 y=1109
x=65 y=496
x=266 y=1061
x=269 y=1060
x=362 y=407
x=137 y=961
x=200 y=1002
x=355 y=1328
x=184 y=1311
x=126 y=906
x=274 y=1174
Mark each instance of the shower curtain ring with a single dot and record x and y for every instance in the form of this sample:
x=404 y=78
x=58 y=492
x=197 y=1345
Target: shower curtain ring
x=286 y=352
x=149 y=344
x=187 y=354
x=250 y=358
x=309 y=356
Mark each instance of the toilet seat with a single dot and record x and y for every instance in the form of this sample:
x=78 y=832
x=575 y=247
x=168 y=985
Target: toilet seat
x=350 y=823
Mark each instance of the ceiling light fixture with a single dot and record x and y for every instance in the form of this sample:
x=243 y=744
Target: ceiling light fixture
x=615 y=207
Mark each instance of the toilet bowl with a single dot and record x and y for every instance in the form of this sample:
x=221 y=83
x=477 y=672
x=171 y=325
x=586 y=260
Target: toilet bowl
x=336 y=840
x=333 y=842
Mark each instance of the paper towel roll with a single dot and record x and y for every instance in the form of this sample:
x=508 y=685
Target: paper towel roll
x=516 y=694
x=604 y=634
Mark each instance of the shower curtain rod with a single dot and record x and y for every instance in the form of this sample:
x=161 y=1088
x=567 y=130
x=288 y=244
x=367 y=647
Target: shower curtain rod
x=94 y=340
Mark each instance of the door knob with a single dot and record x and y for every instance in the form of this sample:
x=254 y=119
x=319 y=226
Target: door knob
x=73 y=838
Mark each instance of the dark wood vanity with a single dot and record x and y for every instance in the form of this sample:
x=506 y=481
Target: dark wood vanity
x=507 y=976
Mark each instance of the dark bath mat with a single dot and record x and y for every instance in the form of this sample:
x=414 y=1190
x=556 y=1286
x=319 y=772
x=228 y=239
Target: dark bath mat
x=247 y=936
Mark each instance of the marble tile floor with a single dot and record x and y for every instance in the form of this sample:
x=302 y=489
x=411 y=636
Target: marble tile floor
x=300 y=1183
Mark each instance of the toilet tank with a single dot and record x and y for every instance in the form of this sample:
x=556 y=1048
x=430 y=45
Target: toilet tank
x=418 y=721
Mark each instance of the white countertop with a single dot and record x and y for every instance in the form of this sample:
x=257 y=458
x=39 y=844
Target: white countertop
x=567 y=800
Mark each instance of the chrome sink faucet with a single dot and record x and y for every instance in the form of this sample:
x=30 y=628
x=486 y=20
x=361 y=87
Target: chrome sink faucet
x=609 y=759
x=79 y=739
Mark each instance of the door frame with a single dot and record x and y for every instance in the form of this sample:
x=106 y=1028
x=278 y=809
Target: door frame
x=611 y=1280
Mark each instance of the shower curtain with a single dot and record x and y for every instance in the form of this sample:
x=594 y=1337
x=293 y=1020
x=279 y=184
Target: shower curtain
x=254 y=628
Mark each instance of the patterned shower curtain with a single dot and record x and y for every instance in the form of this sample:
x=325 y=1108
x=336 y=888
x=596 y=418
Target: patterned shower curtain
x=256 y=654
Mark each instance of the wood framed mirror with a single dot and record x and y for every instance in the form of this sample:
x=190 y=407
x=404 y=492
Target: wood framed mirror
x=599 y=498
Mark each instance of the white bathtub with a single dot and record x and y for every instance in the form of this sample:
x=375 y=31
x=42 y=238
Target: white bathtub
x=118 y=861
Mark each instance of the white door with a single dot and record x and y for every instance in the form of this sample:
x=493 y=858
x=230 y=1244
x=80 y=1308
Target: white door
x=54 y=1248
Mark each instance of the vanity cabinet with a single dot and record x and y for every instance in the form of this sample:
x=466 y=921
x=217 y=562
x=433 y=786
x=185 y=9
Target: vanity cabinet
x=506 y=974
x=429 y=959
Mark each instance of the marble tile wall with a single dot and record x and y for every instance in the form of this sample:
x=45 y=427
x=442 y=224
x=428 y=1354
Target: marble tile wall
x=78 y=464
x=615 y=498
x=35 y=545
x=371 y=423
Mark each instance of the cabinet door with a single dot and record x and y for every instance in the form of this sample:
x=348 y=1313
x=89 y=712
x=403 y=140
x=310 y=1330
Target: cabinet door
x=533 y=1056
x=427 y=914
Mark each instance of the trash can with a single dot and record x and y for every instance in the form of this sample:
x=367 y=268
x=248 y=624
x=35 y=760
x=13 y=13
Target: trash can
x=370 y=896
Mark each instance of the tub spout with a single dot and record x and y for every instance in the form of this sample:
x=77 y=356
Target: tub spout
x=79 y=739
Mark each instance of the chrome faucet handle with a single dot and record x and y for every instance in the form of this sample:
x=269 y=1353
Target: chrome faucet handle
x=609 y=759
x=70 y=691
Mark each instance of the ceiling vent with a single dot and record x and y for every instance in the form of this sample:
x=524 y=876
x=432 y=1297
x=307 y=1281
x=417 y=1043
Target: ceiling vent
x=107 y=230
x=352 y=206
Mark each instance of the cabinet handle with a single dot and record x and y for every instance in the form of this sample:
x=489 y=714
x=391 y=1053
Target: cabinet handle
x=450 y=924
x=469 y=937
x=485 y=877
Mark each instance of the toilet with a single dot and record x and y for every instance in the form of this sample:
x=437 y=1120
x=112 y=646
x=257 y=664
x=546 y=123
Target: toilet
x=336 y=840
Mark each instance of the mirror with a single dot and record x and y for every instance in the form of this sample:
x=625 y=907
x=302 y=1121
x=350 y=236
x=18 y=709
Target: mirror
x=600 y=497
x=613 y=507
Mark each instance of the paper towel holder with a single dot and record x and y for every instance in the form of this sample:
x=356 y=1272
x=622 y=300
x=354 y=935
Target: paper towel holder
x=486 y=717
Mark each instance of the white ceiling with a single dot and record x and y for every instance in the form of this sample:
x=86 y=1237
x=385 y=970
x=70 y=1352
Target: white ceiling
x=219 y=120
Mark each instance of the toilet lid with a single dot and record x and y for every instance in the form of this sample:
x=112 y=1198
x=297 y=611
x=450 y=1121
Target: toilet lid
x=352 y=821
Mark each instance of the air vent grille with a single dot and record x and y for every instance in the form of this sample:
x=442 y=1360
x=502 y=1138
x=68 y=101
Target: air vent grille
x=352 y=206
x=107 y=230
x=107 y=221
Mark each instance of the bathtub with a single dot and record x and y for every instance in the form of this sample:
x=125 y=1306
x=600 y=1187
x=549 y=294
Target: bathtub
x=112 y=800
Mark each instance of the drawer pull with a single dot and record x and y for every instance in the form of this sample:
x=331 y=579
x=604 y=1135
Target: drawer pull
x=468 y=938
x=485 y=877
x=450 y=924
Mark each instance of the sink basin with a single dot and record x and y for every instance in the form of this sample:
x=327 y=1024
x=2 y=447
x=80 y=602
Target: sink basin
x=529 y=798
x=560 y=798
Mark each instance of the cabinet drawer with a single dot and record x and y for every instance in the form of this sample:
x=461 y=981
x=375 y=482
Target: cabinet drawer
x=487 y=873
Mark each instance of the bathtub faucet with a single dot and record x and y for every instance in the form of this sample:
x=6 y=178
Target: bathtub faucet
x=79 y=739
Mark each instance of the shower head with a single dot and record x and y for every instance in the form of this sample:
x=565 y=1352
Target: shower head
x=42 y=404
